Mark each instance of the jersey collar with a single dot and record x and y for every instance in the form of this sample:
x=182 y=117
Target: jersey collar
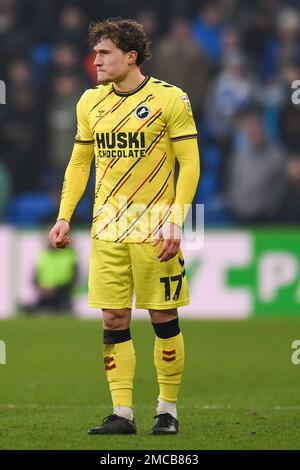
x=135 y=90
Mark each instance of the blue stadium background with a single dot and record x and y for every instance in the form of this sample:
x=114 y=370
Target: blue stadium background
x=236 y=60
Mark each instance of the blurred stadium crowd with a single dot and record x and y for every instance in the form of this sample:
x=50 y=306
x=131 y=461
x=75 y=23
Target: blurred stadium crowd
x=237 y=61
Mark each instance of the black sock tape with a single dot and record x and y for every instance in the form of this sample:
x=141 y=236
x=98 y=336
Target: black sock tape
x=167 y=329
x=116 y=336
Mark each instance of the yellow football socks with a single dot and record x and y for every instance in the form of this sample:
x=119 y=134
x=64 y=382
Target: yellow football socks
x=169 y=361
x=119 y=363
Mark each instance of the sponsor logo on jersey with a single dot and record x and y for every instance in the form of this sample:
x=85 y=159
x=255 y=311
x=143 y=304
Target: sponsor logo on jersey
x=142 y=112
x=120 y=144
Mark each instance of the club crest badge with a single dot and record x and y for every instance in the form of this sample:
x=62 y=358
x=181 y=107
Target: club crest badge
x=142 y=112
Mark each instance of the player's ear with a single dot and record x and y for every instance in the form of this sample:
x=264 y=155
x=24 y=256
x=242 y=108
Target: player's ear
x=132 y=57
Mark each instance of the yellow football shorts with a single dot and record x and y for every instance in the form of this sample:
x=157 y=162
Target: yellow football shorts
x=119 y=269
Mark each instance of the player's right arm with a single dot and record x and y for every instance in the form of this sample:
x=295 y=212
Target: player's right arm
x=76 y=176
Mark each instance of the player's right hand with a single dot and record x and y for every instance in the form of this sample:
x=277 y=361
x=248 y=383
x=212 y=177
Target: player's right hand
x=59 y=234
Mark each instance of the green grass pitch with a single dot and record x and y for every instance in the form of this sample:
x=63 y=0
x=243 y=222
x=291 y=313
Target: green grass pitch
x=240 y=389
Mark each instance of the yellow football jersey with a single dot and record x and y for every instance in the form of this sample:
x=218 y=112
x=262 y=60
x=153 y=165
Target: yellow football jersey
x=132 y=136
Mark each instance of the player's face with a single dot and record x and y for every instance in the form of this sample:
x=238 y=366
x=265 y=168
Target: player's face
x=112 y=64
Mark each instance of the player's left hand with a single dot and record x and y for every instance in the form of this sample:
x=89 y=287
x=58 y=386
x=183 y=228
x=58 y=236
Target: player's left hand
x=170 y=233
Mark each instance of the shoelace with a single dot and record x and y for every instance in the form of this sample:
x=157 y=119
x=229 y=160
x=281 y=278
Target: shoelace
x=109 y=418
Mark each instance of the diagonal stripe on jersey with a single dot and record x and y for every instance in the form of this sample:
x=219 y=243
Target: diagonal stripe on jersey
x=117 y=107
x=117 y=216
x=151 y=122
x=101 y=101
x=126 y=207
x=158 y=138
x=153 y=176
x=133 y=109
x=161 y=221
x=149 y=175
x=123 y=211
x=125 y=122
x=150 y=205
x=148 y=120
x=147 y=207
x=100 y=181
x=127 y=173
x=120 y=180
x=109 y=111
x=164 y=218
x=118 y=189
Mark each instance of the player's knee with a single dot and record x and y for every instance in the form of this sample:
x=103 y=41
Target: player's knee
x=162 y=316
x=116 y=319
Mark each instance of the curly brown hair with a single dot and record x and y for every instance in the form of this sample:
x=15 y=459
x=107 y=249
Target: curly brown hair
x=126 y=34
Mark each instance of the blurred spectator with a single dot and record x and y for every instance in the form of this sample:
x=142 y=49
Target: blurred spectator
x=285 y=47
x=19 y=72
x=38 y=19
x=72 y=26
x=231 y=42
x=257 y=177
x=208 y=28
x=149 y=20
x=22 y=136
x=258 y=32
x=65 y=92
x=65 y=57
x=290 y=127
x=235 y=88
x=178 y=60
x=55 y=275
x=12 y=37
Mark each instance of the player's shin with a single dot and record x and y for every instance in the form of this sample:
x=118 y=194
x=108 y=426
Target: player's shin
x=119 y=363
x=169 y=361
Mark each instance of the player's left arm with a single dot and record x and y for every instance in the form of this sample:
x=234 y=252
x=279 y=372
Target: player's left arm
x=187 y=154
x=183 y=134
